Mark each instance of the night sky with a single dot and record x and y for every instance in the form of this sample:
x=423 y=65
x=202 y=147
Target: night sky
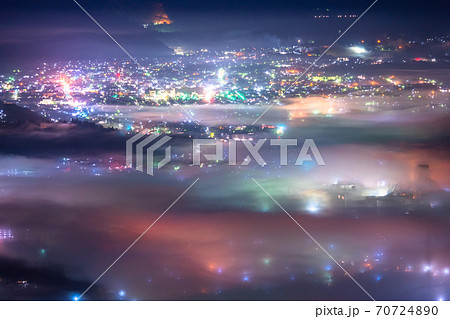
x=58 y=30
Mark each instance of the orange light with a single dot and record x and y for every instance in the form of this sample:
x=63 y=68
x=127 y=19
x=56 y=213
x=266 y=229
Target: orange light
x=160 y=16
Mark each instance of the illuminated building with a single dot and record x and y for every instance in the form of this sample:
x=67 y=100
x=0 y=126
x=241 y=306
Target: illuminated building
x=6 y=233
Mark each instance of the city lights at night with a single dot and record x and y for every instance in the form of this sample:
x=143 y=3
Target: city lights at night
x=225 y=150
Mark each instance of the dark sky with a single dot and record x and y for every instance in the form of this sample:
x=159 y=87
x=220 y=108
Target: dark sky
x=59 y=30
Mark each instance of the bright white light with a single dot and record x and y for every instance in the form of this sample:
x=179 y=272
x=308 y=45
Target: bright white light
x=358 y=50
x=426 y=268
x=312 y=208
x=221 y=74
x=382 y=192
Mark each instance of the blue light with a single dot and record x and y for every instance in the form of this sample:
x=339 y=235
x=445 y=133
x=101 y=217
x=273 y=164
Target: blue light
x=122 y=293
x=245 y=278
x=281 y=129
x=75 y=298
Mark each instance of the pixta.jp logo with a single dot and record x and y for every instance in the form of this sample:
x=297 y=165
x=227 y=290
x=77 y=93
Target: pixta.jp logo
x=148 y=145
x=141 y=148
